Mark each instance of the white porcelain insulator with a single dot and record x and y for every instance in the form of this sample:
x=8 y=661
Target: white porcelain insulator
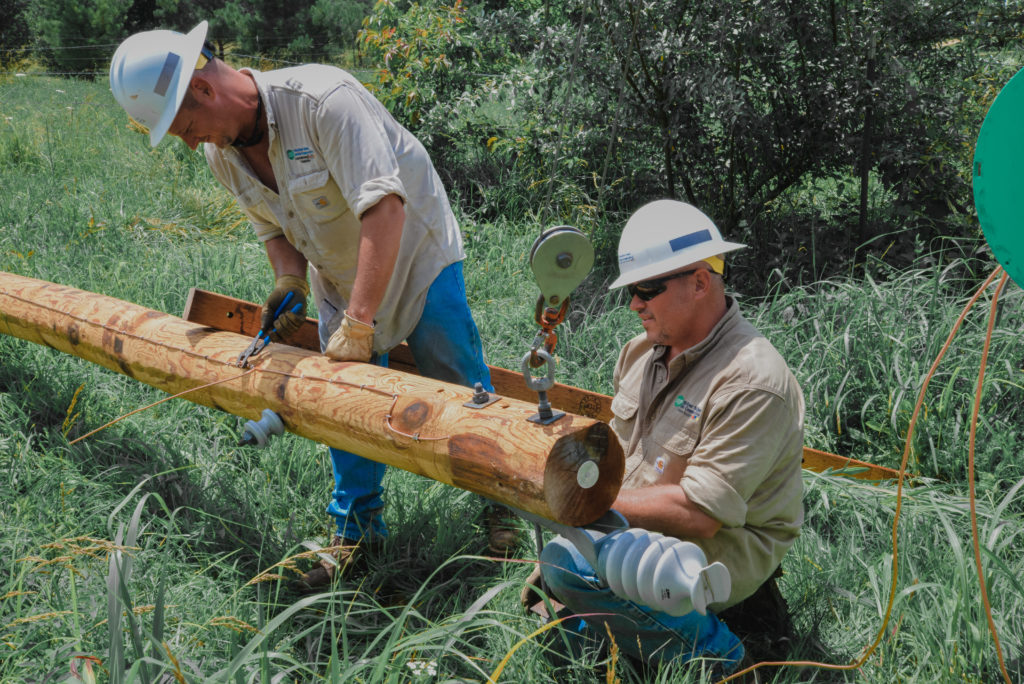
x=661 y=572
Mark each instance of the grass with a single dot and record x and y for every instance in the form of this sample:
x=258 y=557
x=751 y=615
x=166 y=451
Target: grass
x=154 y=543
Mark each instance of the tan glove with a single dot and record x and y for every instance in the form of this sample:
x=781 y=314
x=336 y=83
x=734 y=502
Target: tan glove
x=352 y=341
x=289 y=320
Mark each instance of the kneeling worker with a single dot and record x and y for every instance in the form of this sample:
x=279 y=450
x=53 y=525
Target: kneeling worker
x=711 y=421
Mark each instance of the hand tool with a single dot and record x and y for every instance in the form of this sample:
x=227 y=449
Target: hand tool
x=261 y=340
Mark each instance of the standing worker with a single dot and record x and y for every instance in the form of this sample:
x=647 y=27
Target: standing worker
x=711 y=421
x=333 y=184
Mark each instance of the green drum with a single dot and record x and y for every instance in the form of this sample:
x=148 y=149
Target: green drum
x=999 y=177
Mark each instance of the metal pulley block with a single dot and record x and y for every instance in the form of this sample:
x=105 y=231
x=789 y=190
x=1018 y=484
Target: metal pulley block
x=561 y=258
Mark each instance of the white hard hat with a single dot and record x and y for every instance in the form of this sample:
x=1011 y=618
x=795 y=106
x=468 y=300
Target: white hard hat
x=664 y=236
x=150 y=73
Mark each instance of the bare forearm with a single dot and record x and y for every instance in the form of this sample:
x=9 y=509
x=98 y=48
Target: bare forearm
x=284 y=258
x=665 y=509
x=379 y=241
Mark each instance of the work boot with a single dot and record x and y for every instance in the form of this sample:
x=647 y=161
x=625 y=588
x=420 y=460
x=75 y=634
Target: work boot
x=341 y=555
x=530 y=595
x=532 y=601
x=503 y=533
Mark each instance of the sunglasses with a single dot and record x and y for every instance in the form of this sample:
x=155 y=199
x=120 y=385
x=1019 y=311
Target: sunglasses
x=647 y=290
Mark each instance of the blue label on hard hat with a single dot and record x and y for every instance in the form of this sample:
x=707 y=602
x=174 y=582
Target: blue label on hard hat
x=690 y=240
x=625 y=258
x=166 y=74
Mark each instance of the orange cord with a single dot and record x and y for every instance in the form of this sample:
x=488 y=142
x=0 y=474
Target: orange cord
x=970 y=479
x=899 y=506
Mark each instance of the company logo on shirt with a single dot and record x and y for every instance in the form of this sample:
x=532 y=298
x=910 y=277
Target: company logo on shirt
x=320 y=202
x=659 y=464
x=301 y=154
x=692 y=411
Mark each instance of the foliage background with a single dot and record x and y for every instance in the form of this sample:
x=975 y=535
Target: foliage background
x=816 y=132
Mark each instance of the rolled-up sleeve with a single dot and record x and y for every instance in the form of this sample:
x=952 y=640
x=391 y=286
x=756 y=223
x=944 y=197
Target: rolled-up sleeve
x=360 y=157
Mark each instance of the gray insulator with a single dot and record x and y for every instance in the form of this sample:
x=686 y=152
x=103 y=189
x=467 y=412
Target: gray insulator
x=259 y=432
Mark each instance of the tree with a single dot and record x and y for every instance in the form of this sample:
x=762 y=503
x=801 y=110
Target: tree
x=75 y=36
x=14 y=32
x=183 y=15
x=730 y=104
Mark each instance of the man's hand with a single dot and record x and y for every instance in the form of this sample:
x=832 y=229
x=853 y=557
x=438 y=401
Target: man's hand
x=289 y=320
x=352 y=341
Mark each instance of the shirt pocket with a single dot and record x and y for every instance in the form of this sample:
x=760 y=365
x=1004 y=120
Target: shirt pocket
x=669 y=451
x=250 y=198
x=623 y=420
x=331 y=242
x=264 y=215
x=316 y=197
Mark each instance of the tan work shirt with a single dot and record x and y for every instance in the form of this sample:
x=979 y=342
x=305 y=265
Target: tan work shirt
x=724 y=419
x=335 y=152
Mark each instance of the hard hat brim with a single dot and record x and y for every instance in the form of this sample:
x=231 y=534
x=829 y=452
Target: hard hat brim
x=190 y=55
x=662 y=268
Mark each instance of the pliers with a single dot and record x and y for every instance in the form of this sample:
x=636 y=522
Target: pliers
x=261 y=340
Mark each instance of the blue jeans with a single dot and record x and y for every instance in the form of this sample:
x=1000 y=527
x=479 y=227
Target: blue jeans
x=641 y=632
x=446 y=346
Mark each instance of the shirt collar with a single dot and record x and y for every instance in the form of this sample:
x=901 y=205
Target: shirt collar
x=268 y=106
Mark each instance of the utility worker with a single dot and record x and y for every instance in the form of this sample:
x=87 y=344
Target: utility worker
x=711 y=422
x=334 y=185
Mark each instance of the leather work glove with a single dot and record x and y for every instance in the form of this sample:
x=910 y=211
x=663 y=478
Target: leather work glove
x=289 y=320
x=352 y=341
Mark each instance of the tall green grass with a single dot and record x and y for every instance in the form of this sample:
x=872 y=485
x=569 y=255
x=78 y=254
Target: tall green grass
x=156 y=545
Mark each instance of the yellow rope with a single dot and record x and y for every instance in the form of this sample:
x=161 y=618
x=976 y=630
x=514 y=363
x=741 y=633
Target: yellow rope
x=970 y=480
x=899 y=506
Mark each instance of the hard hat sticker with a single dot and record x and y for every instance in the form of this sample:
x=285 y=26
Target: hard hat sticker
x=166 y=74
x=684 y=241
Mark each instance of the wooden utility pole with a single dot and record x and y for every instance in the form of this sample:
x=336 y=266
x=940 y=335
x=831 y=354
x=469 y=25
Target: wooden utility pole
x=569 y=471
x=236 y=315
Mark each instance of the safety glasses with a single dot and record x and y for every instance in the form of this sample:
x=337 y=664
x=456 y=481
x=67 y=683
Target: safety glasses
x=647 y=290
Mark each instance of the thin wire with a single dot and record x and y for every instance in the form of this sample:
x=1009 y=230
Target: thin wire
x=899 y=507
x=970 y=479
x=54 y=73
x=56 y=48
x=565 y=106
x=157 y=403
